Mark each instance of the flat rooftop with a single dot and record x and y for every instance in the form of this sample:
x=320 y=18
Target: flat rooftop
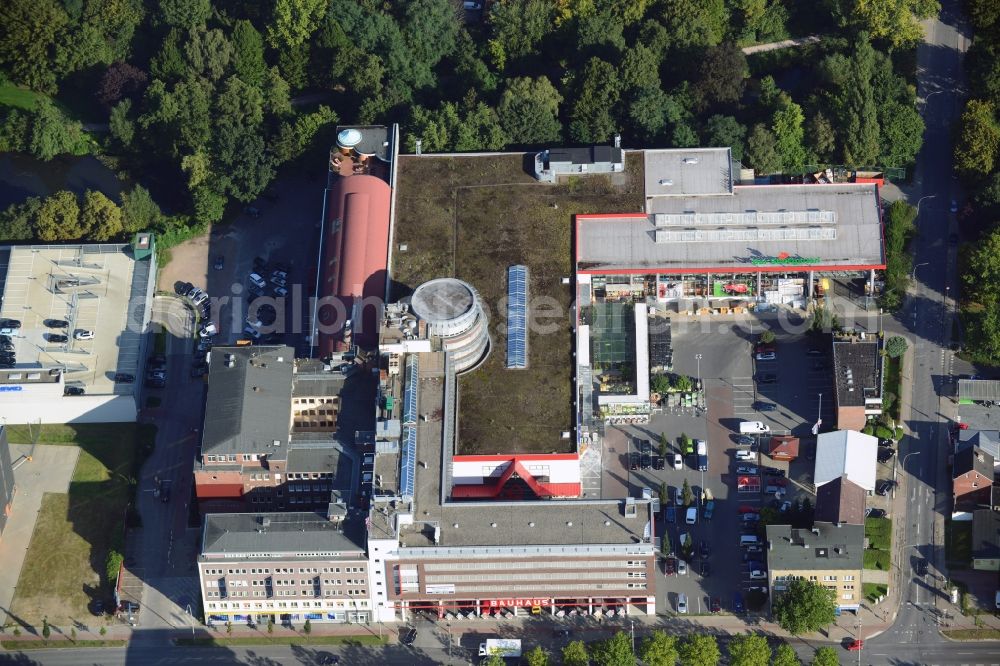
x=856 y=368
x=555 y=522
x=830 y=547
x=290 y=534
x=94 y=287
x=687 y=172
x=766 y=228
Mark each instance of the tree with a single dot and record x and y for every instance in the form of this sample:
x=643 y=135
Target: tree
x=168 y=64
x=270 y=625
x=59 y=218
x=664 y=445
x=826 y=656
x=575 y=654
x=861 y=133
x=307 y=627
x=821 y=137
x=103 y=631
x=895 y=346
x=695 y=22
x=46 y=629
x=749 y=650
x=592 y=119
x=51 y=133
x=663 y=494
x=648 y=113
x=788 y=135
x=640 y=68
x=209 y=205
x=493 y=660
x=100 y=217
x=30 y=33
x=767 y=337
x=895 y=20
x=112 y=565
x=294 y=138
x=248 y=53
x=658 y=649
x=785 y=656
x=982 y=273
x=721 y=76
x=726 y=131
x=660 y=384
x=139 y=211
x=529 y=111
x=14 y=128
x=208 y=53
x=537 y=656
x=276 y=95
x=517 y=26
x=293 y=21
x=120 y=125
x=683 y=383
x=902 y=133
x=185 y=13
x=17 y=220
x=687 y=496
x=978 y=139
x=806 y=606
x=119 y=81
x=699 y=650
x=762 y=150
x=615 y=651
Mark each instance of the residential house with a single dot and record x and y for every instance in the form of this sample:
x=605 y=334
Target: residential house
x=840 y=501
x=971 y=483
x=857 y=368
x=846 y=453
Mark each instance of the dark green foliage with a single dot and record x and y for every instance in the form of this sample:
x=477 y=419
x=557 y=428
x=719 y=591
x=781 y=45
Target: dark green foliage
x=762 y=151
x=248 y=53
x=592 y=119
x=805 y=606
x=895 y=346
x=614 y=651
x=726 y=131
x=31 y=32
x=17 y=221
x=529 y=111
x=185 y=13
x=722 y=76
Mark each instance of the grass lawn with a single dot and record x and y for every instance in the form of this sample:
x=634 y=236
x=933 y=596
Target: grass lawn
x=873 y=591
x=471 y=218
x=878 y=531
x=62 y=645
x=64 y=566
x=958 y=543
x=21 y=98
x=361 y=639
x=972 y=634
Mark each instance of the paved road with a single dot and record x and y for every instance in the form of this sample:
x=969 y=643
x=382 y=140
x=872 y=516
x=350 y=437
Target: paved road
x=926 y=321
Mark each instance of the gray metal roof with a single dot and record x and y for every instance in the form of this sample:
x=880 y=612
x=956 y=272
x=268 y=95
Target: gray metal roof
x=979 y=389
x=826 y=546
x=276 y=533
x=322 y=459
x=630 y=243
x=249 y=404
x=987 y=440
x=856 y=368
x=688 y=172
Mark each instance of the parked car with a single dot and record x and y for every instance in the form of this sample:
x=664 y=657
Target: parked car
x=646 y=461
x=280 y=292
x=678 y=461
x=124 y=378
x=706 y=570
x=658 y=462
x=83 y=334
x=816 y=351
x=682 y=568
x=278 y=280
x=407 y=636
x=633 y=461
x=669 y=566
x=883 y=487
x=737 y=602
x=774 y=471
x=744 y=440
x=743 y=454
x=57 y=323
x=751 y=517
x=645 y=446
x=766 y=378
x=885 y=454
x=74 y=390
x=716 y=605
x=953 y=206
x=765 y=356
x=682 y=603
x=671 y=514
x=922 y=568
x=704 y=549
x=678 y=496
x=219 y=263
x=874 y=513
x=747 y=469
x=10 y=323
x=57 y=338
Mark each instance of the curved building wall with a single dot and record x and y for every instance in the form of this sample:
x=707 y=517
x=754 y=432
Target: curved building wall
x=355 y=258
x=453 y=313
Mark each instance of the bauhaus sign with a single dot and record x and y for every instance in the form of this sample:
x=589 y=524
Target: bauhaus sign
x=511 y=603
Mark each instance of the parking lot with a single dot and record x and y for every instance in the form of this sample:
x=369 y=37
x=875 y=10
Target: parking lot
x=724 y=358
x=282 y=229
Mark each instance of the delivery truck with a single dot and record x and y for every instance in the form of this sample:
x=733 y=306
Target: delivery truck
x=503 y=647
x=753 y=428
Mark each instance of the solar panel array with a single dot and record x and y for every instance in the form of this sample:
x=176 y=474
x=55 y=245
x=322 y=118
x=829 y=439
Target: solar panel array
x=517 y=317
x=408 y=463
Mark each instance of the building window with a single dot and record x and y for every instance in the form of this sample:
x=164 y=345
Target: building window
x=848 y=578
x=847 y=596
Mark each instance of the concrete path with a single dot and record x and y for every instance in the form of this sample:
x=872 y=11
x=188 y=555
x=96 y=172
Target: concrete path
x=783 y=44
x=49 y=471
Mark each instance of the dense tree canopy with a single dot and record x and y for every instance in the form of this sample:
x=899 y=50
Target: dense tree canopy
x=805 y=606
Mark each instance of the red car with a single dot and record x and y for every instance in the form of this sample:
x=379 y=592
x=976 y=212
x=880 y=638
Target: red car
x=670 y=567
x=716 y=605
x=746 y=508
x=856 y=645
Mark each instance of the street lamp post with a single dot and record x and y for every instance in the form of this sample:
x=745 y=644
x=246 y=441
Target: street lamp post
x=903 y=465
x=929 y=196
x=697 y=358
x=632 y=625
x=913 y=273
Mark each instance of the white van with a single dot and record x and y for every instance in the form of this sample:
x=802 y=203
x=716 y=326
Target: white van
x=742 y=454
x=692 y=515
x=257 y=281
x=748 y=540
x=753 y=428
